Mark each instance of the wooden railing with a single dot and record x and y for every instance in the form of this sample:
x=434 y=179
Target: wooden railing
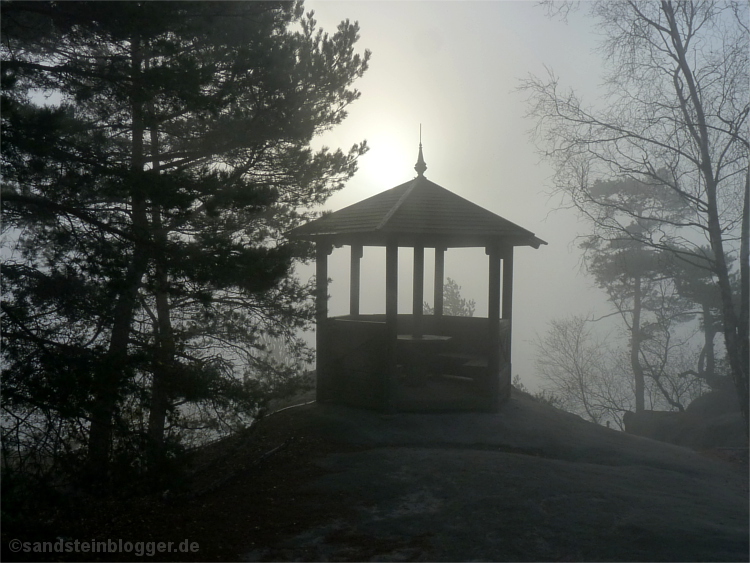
x=357 y=362
x=359 y=367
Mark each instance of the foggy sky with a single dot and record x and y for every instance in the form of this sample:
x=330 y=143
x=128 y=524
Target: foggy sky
x=454 y=67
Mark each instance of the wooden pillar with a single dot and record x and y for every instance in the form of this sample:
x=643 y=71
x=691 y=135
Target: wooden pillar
x=391 y=284
x=418 y=295
x=323 y=375
x=493 y=328
x=354 y=281
x=439 y=276
x=391 y=318
x=508 y=294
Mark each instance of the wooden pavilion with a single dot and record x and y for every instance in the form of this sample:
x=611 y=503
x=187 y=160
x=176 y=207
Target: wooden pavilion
x=416 y=362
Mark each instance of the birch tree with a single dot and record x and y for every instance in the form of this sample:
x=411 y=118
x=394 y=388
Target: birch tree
x=674 y=115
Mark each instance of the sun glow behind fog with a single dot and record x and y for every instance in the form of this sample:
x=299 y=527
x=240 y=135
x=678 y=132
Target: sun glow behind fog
x=453 y=67
x=390 y=160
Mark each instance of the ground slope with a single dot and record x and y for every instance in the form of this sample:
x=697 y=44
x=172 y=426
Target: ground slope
x=530 y=483
x=321 y=482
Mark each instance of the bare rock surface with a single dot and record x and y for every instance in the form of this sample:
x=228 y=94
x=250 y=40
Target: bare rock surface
x=713 y=420
x=530 y=483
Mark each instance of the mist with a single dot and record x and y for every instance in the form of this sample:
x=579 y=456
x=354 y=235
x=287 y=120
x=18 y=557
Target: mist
x=453 y=68
x=157 y=393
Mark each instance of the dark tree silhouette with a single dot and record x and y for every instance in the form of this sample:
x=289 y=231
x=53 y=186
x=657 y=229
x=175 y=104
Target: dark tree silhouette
x=147 y=202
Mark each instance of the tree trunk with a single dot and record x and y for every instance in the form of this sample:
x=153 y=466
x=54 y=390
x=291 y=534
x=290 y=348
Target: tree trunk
x=162 y=366
x=740 y=359
x=114 y=370
x=735 y=329
x=707 y=360
x=165 y=346
x=635 y=348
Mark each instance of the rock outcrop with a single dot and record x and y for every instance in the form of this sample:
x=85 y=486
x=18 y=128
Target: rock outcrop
x=711 y=421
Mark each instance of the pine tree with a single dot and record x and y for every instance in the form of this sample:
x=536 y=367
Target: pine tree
x=453 y=304
x=155 y=189
x=642 y=283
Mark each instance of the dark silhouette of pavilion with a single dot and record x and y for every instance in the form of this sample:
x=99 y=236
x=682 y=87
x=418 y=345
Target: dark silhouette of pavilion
x=415 y=362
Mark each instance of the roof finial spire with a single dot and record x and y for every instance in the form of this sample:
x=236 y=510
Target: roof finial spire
x=420 y=166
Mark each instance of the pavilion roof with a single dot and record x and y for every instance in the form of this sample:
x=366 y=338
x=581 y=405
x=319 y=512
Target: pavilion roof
x=416 y=212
